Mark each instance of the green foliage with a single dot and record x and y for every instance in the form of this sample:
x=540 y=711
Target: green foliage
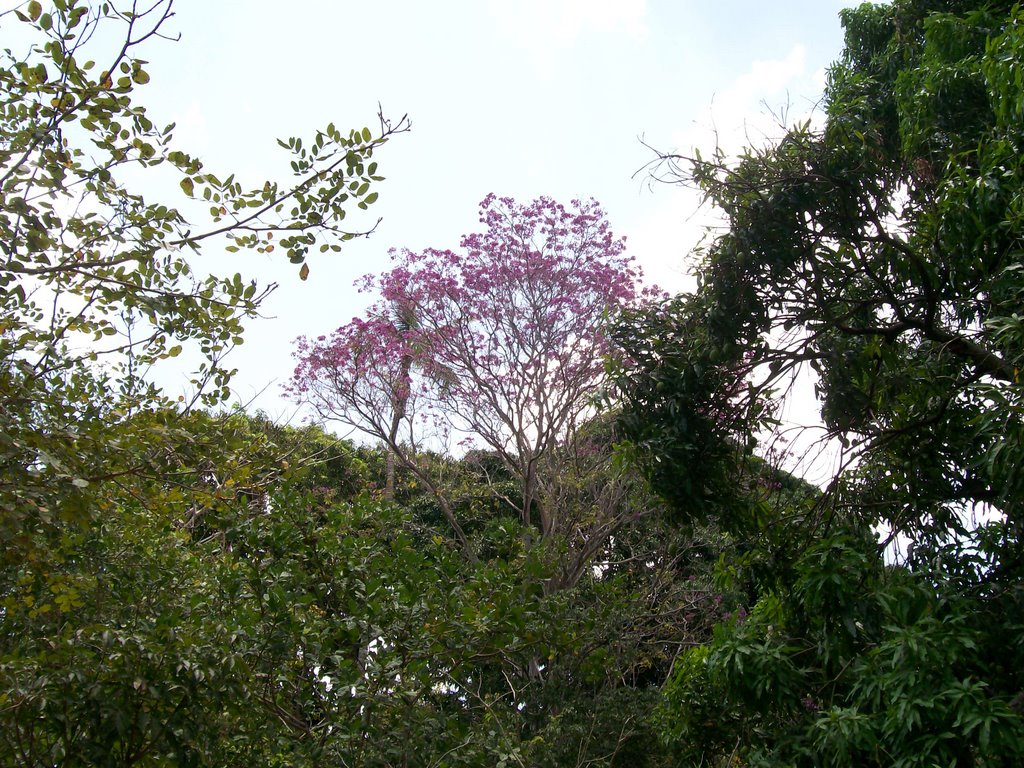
x=882 y=254
x=680 y=414
x=850 y=662
x=269 y=606
x=566 y=674
x=180 y=587
x=98 y=283
x=112 y=650
x=131 y=632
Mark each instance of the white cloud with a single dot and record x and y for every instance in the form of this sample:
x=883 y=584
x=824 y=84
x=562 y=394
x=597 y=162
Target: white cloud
x=770 y=76
x=750 y=110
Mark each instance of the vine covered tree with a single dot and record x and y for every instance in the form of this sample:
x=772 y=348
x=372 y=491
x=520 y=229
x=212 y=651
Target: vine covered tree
x=884 y=253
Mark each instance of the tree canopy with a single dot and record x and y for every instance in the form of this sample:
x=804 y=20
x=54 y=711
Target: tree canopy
x=881 y=254
x=576 y=542
x=180 y=585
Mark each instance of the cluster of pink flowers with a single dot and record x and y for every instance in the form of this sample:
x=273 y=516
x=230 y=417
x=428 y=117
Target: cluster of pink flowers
x=504 y=336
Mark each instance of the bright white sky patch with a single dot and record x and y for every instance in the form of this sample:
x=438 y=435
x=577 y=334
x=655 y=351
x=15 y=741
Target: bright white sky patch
x=191 y=129
x=539 y=24
x=766 y=77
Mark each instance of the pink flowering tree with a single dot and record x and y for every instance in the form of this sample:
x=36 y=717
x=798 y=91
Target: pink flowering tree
x=499 y=344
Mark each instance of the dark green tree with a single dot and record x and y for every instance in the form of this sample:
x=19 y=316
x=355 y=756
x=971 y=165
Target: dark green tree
x=882 y=254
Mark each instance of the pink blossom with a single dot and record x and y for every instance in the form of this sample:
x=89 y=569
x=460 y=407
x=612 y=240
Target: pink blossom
x=502 y=339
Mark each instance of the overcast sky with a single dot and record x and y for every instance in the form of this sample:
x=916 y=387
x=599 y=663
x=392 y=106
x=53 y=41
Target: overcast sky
x=518 y=97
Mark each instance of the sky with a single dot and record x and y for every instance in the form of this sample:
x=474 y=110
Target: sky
x=518 y=97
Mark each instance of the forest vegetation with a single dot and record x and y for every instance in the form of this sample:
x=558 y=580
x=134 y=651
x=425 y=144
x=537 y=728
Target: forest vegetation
x=569 y=534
